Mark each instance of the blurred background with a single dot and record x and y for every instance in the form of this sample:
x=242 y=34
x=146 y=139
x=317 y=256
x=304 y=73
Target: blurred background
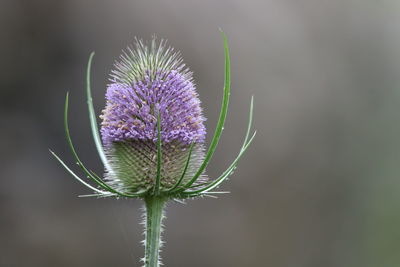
x=319 y=187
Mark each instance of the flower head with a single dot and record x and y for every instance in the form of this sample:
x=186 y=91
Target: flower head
x=151 y=81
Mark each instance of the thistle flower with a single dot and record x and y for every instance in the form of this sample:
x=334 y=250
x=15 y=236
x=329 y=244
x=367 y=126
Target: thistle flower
x=152 y=140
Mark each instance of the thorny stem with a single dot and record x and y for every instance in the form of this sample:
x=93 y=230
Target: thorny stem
x=154 y=216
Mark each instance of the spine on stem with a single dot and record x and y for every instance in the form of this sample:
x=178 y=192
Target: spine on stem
x=154 y=217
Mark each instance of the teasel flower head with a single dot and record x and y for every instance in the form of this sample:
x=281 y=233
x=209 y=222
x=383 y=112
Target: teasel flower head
x=151 y=83
x=152 y=136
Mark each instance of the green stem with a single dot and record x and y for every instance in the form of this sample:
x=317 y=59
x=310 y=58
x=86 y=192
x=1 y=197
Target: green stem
x=154 y=216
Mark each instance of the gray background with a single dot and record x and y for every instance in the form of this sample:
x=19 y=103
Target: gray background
x=319 y=187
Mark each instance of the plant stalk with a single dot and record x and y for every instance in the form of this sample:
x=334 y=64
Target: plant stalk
x=154 y=216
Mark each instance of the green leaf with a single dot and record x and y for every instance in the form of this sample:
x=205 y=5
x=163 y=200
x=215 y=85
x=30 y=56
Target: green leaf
x=198 y=185
x=72 y=148
x=76 y=177
x=249 y=124
x=159 y=156
x=184 y=170
x=225 y=175
x=221 y=119
x=92 y=117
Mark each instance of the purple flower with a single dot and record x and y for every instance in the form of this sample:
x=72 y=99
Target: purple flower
x=151 y=81
x=131 y=110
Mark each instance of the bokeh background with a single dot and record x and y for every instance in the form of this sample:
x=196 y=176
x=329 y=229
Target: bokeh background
x=319 y=187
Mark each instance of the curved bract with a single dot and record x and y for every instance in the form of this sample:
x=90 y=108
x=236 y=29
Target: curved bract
x=147 y=153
